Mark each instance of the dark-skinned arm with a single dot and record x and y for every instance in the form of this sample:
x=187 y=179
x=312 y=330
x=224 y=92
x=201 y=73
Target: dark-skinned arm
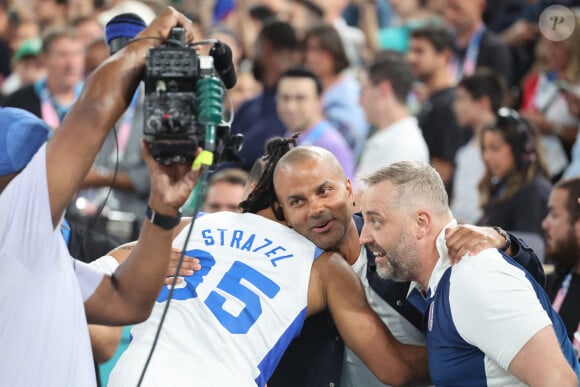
x=337 y=287
x=128 y=295
x=468 y=239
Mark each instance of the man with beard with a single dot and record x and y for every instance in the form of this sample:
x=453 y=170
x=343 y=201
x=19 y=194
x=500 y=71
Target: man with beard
x=317 y=201
x=487 y=322
x=562 y=229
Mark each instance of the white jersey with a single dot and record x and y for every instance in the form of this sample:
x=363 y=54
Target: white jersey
x=44 y=339
x=230 y=322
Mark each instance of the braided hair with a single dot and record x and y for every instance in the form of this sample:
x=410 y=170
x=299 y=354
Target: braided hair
x=262 y=174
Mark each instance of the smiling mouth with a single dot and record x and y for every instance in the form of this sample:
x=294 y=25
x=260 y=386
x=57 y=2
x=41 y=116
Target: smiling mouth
x=322 y=227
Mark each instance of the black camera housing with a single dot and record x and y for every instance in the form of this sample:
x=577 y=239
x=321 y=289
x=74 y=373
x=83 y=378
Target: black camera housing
x=173 y=126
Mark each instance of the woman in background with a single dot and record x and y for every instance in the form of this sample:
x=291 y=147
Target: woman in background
x=515 y=188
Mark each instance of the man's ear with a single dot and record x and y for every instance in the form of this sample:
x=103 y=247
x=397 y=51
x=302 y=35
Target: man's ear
x=423 y=223
x=348 y=185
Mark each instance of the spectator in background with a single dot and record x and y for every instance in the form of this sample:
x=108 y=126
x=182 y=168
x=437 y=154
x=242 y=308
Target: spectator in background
x=225 y=190
x=50 y=13
x=303 y=15
x=430 y=53
x=95 y=54
x=51 y=97
x=385 y=87
x=81 y=8
x=546 y=107
x=571 y=92
x=408 y=15
x=249 y=21
x=326 y=58
x=23 y=28
x=4 y=48
x=299 y=104
x=27 y=66
x=353 y=38
x=561 y=227
x=477 y=98
x=475 y=45
x=277 y=49
x=246 y=87
x=515 y=187
x=89 y=29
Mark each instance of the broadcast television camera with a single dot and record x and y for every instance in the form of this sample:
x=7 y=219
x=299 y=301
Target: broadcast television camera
x=184 y=101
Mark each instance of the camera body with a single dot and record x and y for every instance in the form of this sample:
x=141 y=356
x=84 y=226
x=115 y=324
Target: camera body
x=183 y=96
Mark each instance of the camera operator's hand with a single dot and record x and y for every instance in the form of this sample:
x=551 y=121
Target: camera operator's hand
x=171 y=184
x=162 y=25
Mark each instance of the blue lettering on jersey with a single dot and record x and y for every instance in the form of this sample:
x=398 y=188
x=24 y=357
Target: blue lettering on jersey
x=207 y=238
x=268 y=243
x=237 y=239
x=207 y=261
x=222 y=231
x=232 y=285
x=249 y=243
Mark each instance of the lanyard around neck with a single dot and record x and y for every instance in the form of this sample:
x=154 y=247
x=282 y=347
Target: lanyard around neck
x=470 y=60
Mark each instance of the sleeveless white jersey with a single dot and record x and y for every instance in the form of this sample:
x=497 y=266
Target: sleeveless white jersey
x=230 y=322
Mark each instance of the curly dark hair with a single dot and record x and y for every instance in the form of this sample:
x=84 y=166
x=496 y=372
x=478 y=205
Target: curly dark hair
x=262 y=175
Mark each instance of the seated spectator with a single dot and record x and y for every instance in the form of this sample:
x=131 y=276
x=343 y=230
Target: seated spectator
x=477 y=98
x=225 y=190
x=303 y=15
x=563 y=249
x=277 y=49
x=475 y=45
x=299 y=104
x=408 y=15
x=545 y=105
x=515 y=188
x=326 y=57
x=572 y=94
x=27 y=66
x=51 y=97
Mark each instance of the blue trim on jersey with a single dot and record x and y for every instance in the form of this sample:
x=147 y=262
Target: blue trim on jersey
x=453 y=361
x=272 y=358
x=318 y=252
x=557 y=323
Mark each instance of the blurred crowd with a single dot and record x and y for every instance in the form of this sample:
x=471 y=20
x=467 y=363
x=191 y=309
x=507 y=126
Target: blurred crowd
x=374 y=82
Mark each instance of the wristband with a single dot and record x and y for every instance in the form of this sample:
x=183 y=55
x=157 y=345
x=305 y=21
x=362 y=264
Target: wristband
x=163 y=221
x=505 y=235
